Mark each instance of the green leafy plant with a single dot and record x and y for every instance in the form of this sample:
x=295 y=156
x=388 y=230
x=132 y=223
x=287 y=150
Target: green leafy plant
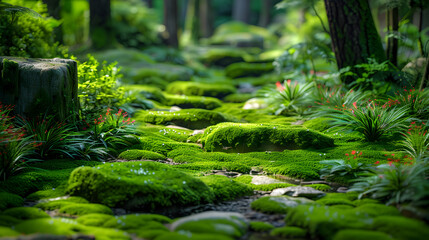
x=416 y=101
x=416 y=142
x=98 y=87
x=348 y=169
x=288 y=98
x=371 y=120
x=14 y=147
x=336 y=97
x=394 y=183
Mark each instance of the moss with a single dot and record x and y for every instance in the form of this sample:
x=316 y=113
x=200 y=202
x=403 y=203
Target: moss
x=200 y=89
x=317 y=124
x=289 y=232
x=363 y=201
x=94 y=219
x=79 y=209
x=212 y=226
x=147 y=91
x=164 y=147
x=9 y=76
x=237 y=70
x=57 y=204
x=190 y=118
x=374 y=210
x=238 y=97
x=280 y=204
x=149 y=234
x=7 y=232
x=320 y=187
x=138 y=221
x=68 y=227
x=184 y=235
x=138 y=185
x=352 y=234
x=246 y=179
x=25 y=213
x=136 y=154
x=10 y=200
x=335 y=201
x=257 y=226
x=223 y=57
x=270 y=187
x=208 y=103
x=225 y=188
x=48 y=193
x=262 y=137
x=8 y=221
x=401 y=228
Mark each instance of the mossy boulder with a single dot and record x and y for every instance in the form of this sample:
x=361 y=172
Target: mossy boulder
x=8 y=232
x=59 y=203
x=289 y=232
x=238 y=97
x=318 y=124
x=138 y=221
x=94 y=219
x=401 y=228
x=216 y=90
x=224 y=223
x=136 y=154
x=225 y=188
x=68 y=227
x=245 y=137
x=354 y=234
x=238 y=70
x=10 y=200
x=138 y=185
x=8 y=221
x=147 y=91
x=25 y=213
x=185 y=235
x=223 y=56
x=79 y=209
x=190 y=118
x=182 y=101
x=278 y=204
x=258 y=226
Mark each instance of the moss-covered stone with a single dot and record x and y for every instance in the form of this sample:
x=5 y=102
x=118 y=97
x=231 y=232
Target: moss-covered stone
x=138 y=185
x=262 y=137
x=258 y=226
x=190 y=118
x=138 y=221
x=318 y=124
x=225 y=188
x=289 y=232
x=216 y=90
x=68 y=227
x=320 y=187
x=223 y=56
x=24 y=213
x=335 y=201
x=280 y=204
x=184 y=235
x=10 y=200
x=57 y=204
x=147 y=91
x=8 y=232
x=353 y=234
x=150 y=234
x=238 y=97
x=182 y=101
x=8 y=221
x=238 y=70
x=94 y=219
x=56 y=192
x=79 y=209
x=401 y=228
x=135 y=154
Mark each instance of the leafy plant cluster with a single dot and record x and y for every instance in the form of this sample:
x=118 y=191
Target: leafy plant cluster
x=26 y=33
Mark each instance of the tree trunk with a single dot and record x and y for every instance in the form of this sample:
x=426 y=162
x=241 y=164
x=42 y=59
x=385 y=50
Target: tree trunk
x=264 y=18
x=170 y=22
x=425 y=78
x=149 y=3
x=192 y=24
x=353 y=33
x=99 y=23
x=392 y=41
x=241 y=11
x=54 y=10
x=206 y=18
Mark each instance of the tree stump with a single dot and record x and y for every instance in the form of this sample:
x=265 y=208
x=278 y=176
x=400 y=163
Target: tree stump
x=39 y=86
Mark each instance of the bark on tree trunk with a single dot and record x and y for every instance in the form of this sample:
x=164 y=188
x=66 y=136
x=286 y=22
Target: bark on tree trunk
x=264 y=19
x=54 y=10
x=425 y=78
x=392 y=41
x=192 y=25
x=353 y=33
x=149 y=3
x=241 y=11
x=206 y=19
x=170 y=22
x=99 y=23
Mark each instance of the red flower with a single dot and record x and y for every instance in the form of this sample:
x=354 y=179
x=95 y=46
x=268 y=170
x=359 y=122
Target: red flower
x=279 y=86
x=378 y=162
x=354 y=105
x=360 y=154
x=347 y=154
x=353 y=152
x=288 y=82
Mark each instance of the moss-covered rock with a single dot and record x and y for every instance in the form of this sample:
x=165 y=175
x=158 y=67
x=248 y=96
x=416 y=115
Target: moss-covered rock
x=262 y=137
x=94 y=219
x=8 y=221
x=320 y=187
x=68 y=227
x=185 y=235
x=147 y=91
x=135 y=154
x=10 y=200
x=318 y=124
x=258 y=226
x=225 y=188
x=57 y=204
x=79 y=209
x=279 y=204
x=56 y=192
x=190 y=118
x=238 y=97
x=353 y=234
x=182 y=101
x=24 y=213
x=401 y=228
x=216 y=90
x=289 y=232
x=138 y=221
x=238 y=70
x=7 y=232
x=223 y=56
x=138 y=185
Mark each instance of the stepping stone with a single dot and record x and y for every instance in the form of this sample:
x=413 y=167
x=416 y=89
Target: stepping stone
x=258 y=180
x=298 y=191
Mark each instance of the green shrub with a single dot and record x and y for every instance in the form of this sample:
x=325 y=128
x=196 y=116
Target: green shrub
x=138 y=185
x=257 y=226
x=10 y=200
x=225 y=188
x=136 y=154
x=262 y=137
x=200 y=89
x=24 y=213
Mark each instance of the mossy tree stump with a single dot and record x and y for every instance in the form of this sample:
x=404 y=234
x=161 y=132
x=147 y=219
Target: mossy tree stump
x=39 y=86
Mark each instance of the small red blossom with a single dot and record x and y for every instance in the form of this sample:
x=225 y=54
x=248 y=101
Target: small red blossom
x=353 y=152
x=378 y=162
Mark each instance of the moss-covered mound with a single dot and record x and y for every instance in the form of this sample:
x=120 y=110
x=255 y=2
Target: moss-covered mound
x=238 y=97
x=76 y=206
x=9 y=200
x=146 y=91
x=7 y=232
x=258 y=226
x=354 y=234
x=225 y=188
x=318 y=124
x=238 y=70
x=192 y=101
x=138 y=185
x=239 y=137
x=25 y=213
x=135 y=154
x=223 y=56
x=278 y=204
x=216 y=90
x=289 y=232
x=191 y=118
